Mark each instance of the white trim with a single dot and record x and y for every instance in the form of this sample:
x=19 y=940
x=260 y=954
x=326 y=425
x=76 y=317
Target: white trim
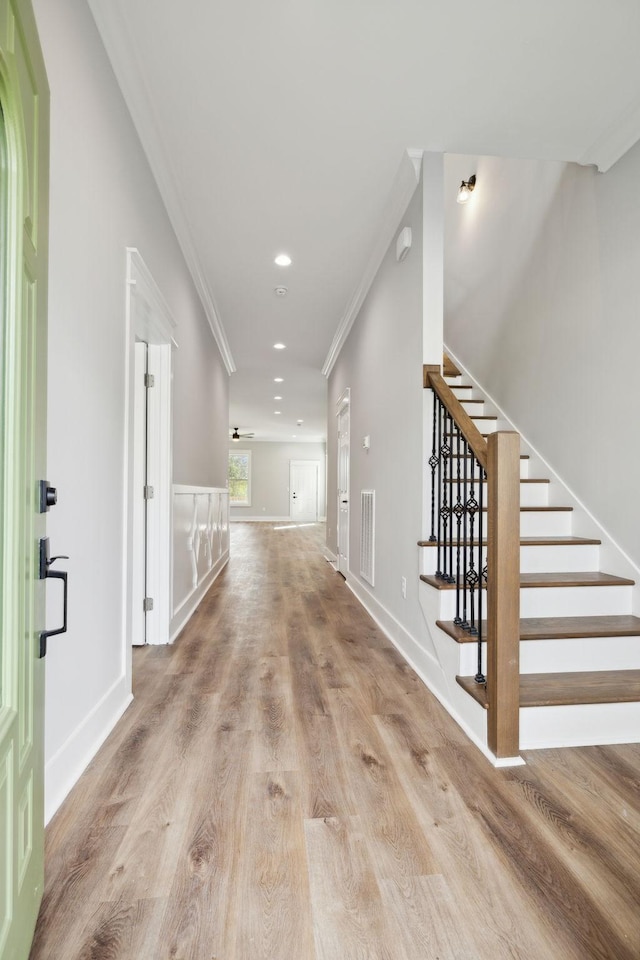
x=123 y=59
x=157 y=324
x=159 y=508
x=404 y=186
x=420 y=660
x=65 y=767
x=329 y=555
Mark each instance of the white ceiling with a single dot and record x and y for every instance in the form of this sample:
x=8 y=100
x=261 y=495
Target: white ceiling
x=279 y=126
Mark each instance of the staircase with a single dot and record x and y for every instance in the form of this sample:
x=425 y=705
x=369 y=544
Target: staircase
x=579 y=642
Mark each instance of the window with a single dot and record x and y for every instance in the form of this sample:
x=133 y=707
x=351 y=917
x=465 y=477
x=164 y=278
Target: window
x=240 y=478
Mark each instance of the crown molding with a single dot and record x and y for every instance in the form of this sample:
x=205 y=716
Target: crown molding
x=134 y=91
x=404 y=185
x=619 y=137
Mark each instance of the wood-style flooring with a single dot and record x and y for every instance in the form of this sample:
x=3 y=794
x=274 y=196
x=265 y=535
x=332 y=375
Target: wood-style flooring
x=285 y=788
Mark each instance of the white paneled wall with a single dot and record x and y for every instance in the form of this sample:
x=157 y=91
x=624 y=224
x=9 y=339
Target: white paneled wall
x=200 y=517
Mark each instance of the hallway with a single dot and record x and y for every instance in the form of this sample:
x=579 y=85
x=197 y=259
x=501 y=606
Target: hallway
x=285 y=788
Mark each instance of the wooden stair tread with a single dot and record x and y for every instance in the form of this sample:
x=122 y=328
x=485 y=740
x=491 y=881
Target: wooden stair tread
x=534 y=542
x=557 y=628
x=567 y=689
x=588 y=578
x=485 y=417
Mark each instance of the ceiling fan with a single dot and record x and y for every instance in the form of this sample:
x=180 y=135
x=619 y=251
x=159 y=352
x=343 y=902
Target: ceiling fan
x=237 y=436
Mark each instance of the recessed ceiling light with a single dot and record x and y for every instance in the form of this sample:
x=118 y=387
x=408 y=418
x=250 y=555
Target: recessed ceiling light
x=278 y=380
x=277 y=398
x=279 y=346
x=283 y=260
x=299 y=422
x=277 y=412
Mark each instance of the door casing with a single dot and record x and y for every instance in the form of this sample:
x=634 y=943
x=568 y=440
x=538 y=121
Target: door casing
x=343 y=414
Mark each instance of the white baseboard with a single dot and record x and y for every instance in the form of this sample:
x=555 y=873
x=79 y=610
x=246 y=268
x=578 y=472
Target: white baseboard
x=329 y=555
x=187 y=608
x=420 y=661
x=67 y=764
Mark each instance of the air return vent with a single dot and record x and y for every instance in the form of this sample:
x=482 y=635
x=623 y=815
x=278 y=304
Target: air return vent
x=367 y=535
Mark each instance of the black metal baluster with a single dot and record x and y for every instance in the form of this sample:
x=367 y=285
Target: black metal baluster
x=471 y=574
x=439 y=538
x=433 y=463
x=459 y=512
x=445 y=451
x=480 y=677
x=465 y=531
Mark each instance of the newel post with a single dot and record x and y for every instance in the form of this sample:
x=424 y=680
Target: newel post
x=503 y=614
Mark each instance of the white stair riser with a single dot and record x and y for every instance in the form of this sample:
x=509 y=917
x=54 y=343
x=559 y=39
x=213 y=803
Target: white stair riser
x=563 y=656
x=589 y=653
x=561 y=558
x=524 y=469
x=552 y=523
x=473 y=409
x=581 y=725
x=531 y=494
x=539 y=559
x=555 y=602
x=488 y=426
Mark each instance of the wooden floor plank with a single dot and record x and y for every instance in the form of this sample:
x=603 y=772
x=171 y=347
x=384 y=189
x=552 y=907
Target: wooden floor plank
x=285 y=786
x=349 y=922
x=272 y=904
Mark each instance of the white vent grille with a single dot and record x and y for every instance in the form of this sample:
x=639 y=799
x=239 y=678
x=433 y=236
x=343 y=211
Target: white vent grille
x=367 y=535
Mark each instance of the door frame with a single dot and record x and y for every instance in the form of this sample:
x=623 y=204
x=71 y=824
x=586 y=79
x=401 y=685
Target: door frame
x=316 y=464
x=343 y=404
x=149 y=319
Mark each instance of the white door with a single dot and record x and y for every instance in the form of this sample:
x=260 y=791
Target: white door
x=24 y=170
x=343 y=483
x=303 y=489
x=148 y=582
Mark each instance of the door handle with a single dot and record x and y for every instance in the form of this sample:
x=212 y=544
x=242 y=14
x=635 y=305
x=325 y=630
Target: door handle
x=47 y=574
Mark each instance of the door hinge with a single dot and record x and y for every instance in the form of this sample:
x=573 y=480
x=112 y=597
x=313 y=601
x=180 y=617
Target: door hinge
x=149 y=380
x=147 y=604
x=148 y=493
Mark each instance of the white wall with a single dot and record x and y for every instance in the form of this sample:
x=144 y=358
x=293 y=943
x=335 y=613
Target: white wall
x=270 y=477
x=103 y=199
x=542 y=305
x=381 y=362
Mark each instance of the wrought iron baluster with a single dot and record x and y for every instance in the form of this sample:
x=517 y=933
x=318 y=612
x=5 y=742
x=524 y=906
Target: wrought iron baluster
x=445 y=510
x=439 y=537
x=433 y=463
x=471 y=574
x=480 y=677
x=458 y=510
x=465 y=531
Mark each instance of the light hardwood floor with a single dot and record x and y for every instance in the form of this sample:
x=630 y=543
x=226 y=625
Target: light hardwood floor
x=285 y=788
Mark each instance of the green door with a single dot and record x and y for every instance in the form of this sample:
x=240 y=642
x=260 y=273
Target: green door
x=24 y=124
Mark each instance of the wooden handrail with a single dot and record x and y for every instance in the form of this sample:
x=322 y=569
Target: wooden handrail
x=467 y=427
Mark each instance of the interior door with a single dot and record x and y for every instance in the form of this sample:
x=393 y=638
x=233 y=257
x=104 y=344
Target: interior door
x=303 y=489
x=343 y=485
x=24 y=103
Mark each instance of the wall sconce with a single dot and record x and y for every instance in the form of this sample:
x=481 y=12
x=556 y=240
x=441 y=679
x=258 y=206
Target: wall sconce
x=466 y=189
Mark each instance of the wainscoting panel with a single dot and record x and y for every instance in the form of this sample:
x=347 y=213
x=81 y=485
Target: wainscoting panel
x=200 y=518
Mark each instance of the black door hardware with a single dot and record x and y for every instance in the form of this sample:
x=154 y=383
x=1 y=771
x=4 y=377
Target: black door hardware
x=48 y=496
x=47 y=574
